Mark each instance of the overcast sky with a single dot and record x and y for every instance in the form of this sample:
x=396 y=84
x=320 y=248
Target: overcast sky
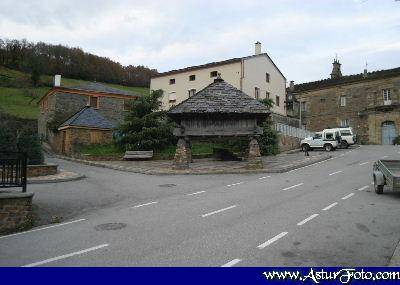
x=301 y=36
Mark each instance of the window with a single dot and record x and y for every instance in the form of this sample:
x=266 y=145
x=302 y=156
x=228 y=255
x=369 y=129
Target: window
x=172 y=81
x=172 y=97
x=191 y=92
x=317 y=136
x=303 y=106
x=387 y=99
x=267 y=94
x=329 y=136
x=342 y=101
x=277 y=101
x=94 y=102
x=257 y=93
x=344 y=123
x=213 y=74
x=127 y=105
x=345 y=133
x=267 y=77
x=192 y=77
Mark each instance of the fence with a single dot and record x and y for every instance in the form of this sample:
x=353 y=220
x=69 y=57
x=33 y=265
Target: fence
x=292 y=131
x=13 y=167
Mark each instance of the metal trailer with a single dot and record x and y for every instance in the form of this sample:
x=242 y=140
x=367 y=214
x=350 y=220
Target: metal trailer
x=386 y=172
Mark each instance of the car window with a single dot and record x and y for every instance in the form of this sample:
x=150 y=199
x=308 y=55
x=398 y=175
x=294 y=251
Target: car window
x=329 y=136
x=345 y=133
x=317 y=136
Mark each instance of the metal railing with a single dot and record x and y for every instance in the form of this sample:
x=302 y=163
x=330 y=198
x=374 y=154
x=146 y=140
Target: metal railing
x=290 y=131
x=13 y=168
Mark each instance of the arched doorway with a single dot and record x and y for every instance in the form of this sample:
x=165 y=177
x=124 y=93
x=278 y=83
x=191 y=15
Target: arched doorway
x=388 y=132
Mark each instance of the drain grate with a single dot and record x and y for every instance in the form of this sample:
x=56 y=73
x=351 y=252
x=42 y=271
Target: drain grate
x=110 y=227
x=167 y=185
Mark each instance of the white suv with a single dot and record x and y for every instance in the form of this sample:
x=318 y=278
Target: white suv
x=347 y=136
x=327 y=139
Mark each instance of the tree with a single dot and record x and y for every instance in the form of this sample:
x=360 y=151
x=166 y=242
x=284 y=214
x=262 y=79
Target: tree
x=145 y=126
x=35 y=73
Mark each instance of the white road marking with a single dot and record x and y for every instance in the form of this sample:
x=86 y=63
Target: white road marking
x=291 y=187
x=272 y=240
x=293 y=170
x=235 y=184
x=337 y=172
x=307 y=219
x=348 y=196
x=232 y=263
x=383 y=157
x=196 y=193
x=330 y=206
x=364 y=163
x=65 y=256
x=218 y=211
x=265 y=177
x=142 y=205
x=45 y=228
x=363 y=188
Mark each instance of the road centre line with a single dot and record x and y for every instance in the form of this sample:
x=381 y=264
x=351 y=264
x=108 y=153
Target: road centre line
x=330 y=206
x=363 y=188
x=142 y=205
x=364 y=163
x=272 y=240
x=348 y=196
x=337 y=172
x=66 y=255
x=45 y=228
x=265 y=177
x=218 y=211
x=294 y=186
x=232 y=263
x=307 y=219
x=196 y=193
x=235 y=184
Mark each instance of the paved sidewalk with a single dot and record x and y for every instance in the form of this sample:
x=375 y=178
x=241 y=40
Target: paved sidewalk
x=61 y=176
x=272 y=164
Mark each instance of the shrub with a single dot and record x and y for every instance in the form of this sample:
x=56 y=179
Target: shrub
x=396 y=141
x=268 y=141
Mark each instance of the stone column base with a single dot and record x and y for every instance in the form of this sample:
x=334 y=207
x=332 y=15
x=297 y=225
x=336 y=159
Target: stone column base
x=15 y=211
x=181 y=159
x=254 y=157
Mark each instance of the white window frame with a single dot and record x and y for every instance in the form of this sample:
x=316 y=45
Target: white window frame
x=387 y=99
x=257 y=93
x=344 y=123
x=343 y=101
x=172 y=97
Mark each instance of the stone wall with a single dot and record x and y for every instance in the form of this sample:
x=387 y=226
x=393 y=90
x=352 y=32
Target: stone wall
x=287 y=143
x=363 y=100
x=15 y=211
x=41 y=170
x=78 y=136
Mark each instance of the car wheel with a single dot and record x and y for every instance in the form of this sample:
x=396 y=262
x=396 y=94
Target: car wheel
x=345 y=144
x=378 y=188
x=328 y=147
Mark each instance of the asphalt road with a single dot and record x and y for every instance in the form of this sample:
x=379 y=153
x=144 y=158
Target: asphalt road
x=326 y=214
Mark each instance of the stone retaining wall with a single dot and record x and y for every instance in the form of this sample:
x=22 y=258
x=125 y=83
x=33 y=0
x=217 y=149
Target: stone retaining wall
x=42 y=170
x=15 y=211
x=287 y=143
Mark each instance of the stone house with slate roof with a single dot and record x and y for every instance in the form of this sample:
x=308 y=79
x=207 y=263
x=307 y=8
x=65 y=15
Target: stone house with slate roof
x=256 y=75
x=108 y=103
x=368 y=102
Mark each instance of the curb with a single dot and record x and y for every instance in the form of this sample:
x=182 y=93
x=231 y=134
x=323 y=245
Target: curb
x=59 y=180
x=283 y=169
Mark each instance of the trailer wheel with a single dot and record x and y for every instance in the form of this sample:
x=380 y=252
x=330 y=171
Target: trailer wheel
x=378 y=188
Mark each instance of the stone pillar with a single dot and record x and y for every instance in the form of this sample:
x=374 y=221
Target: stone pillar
x=15 y=211
x=189 y=150
x=254 y=157
x=181 y=160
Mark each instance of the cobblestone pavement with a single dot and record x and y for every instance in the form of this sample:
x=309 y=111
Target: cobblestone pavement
x=272 y=164
x=61 y=176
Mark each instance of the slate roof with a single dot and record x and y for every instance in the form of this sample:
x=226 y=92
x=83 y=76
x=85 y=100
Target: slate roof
x=347 y=79
x=88 y=118
x=98 y=87
x=219 y=98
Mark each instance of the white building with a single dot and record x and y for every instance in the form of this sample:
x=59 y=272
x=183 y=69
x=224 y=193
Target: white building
x=255 y=75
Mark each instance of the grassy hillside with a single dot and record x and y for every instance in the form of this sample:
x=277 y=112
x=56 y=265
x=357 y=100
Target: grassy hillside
x=19 y=98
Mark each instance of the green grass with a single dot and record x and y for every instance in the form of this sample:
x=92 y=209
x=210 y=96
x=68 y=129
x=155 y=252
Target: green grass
x=19 y=98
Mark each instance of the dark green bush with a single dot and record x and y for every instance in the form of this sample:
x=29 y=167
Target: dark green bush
x=268 y=141
x=396 y=141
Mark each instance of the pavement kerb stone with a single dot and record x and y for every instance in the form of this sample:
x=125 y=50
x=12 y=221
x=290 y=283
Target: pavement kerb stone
x=57 y=180
x=190 y=171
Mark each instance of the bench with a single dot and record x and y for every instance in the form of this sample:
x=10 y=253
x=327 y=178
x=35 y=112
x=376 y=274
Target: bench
x=138 y=155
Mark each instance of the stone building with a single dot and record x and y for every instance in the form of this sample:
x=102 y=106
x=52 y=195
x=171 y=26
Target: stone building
x=368 y=102
x=60 y=103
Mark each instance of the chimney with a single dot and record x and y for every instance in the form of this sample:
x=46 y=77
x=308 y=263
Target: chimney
x=291 y=85
x=336 y=72
x=257 y=48
x=57 y=80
